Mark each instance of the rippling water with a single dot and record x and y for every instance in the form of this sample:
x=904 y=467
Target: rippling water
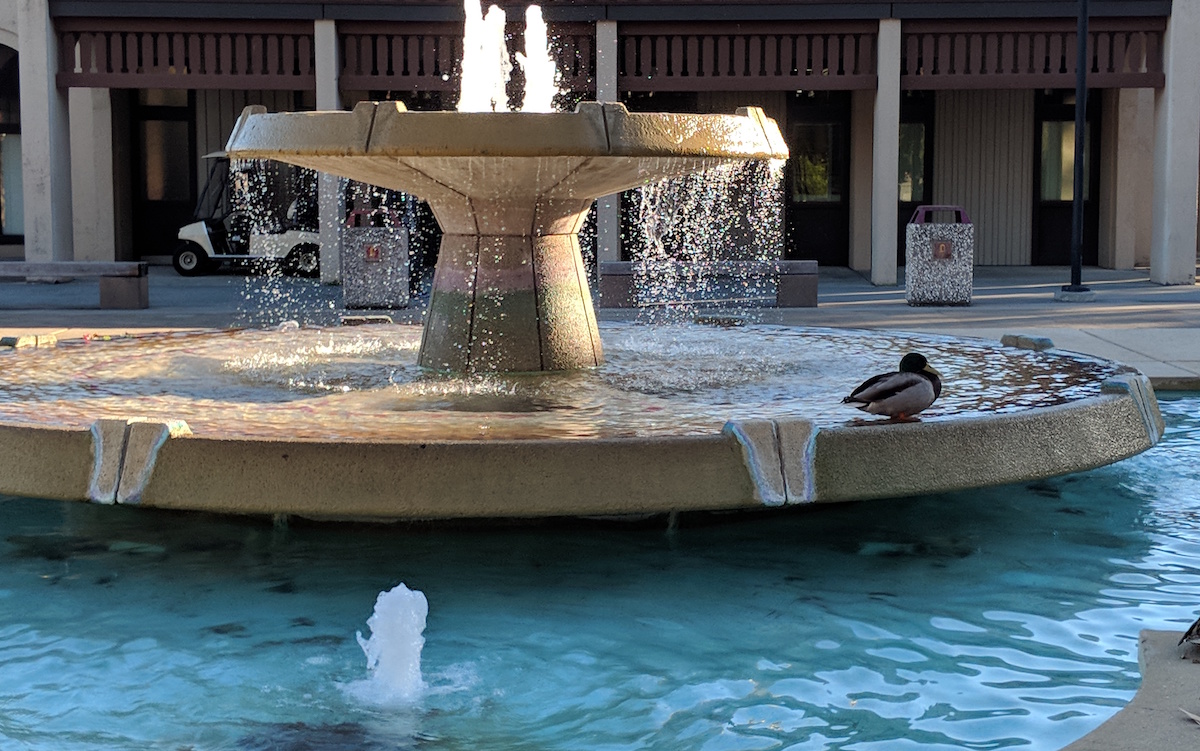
x=997 y=618
x=363 y=383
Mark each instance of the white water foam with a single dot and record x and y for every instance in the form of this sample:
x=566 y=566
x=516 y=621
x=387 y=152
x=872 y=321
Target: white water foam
x=485 y=64
x=541 y=85
x=486 y=67
x=394 y=649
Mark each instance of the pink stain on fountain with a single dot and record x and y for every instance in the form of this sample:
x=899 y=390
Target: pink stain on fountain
x=510 y=191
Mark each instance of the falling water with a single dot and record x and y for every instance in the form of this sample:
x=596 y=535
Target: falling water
x=394 y=648
x=711 y=237
x=266 y=198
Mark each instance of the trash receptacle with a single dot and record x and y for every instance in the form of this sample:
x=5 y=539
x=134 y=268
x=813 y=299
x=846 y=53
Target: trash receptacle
x=939 y=258
x=375 y=269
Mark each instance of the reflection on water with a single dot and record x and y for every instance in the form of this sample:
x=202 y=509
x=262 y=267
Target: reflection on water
x=363 y=383
x=996 y=618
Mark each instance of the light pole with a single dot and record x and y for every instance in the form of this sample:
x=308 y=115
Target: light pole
x=1075 y=290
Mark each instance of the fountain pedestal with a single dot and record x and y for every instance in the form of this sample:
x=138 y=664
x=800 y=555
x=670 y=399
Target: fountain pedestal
x=510 y=191
x=510 y=303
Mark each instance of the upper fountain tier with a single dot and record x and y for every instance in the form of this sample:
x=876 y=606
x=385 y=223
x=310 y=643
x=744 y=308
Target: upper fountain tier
x=510 y=191
x=481 y=171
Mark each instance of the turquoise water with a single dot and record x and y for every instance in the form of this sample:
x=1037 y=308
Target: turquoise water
x=997 y=618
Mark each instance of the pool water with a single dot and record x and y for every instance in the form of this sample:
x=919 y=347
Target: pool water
x=996 y=618
x=362 y=383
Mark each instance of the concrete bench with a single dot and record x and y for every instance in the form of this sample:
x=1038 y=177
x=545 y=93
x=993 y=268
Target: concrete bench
x=123 y=284
x=796 y=288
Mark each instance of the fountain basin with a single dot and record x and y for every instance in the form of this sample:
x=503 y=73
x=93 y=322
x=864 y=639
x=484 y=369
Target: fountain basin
x=510 y=191
x=697 y=441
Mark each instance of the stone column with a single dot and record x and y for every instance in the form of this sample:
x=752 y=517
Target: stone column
x=92 y=179
x=45 y=138
x=885 y=155
x=1126 y=177
x=608 y=208
x=862 y=105
x=330 y=207
x=1177 y=150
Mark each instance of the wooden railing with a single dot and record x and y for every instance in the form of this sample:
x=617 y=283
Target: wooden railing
x=1015 y=54
x=711 y=57
x=121 y=53
x=427 y=56
x=144 y=53
x=421 y=57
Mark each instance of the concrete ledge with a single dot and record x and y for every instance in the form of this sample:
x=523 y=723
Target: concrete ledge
x=45 y=462
x=123 y=285
x=1153 y=720
x=797 y=281
x=751 y=464
x=879 y=461
x=448 y=480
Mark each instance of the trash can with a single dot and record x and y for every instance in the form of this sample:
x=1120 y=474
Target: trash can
x=939 y=258
x=375 y=269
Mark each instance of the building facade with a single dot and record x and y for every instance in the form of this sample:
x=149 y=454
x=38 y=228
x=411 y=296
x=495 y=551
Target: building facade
x=109 y=107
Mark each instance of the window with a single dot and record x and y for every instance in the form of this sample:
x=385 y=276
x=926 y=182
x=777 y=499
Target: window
x=1058 y=161
x=912 y=162
x=815 y=173
x=168 y=167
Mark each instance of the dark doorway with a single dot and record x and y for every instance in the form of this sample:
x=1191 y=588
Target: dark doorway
x=817 y=181
x=1053 y=190
x=915 y=171
x=12 y=205
x=164 y=168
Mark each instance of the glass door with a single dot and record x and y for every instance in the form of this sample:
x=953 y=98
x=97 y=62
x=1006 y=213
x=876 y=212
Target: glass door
x=915 y=169
x=817 y=209
x=164 y=170
x=1054 y=188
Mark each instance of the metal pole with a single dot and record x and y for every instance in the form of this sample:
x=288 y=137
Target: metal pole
x=1083 y=62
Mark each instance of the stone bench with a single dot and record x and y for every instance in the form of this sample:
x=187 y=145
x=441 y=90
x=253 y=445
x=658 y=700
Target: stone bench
x=123 y=284
x=797 y=286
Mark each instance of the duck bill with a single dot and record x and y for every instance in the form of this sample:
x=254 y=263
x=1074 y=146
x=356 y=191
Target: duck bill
x=930 y=369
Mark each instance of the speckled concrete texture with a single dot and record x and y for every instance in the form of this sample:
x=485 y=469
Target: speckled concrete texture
x=41 y=462
x=939 y=264
x=877 y=461
x=451 y=479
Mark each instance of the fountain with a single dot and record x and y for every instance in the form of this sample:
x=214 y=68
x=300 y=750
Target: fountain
x=505 y=403
x=117 y=625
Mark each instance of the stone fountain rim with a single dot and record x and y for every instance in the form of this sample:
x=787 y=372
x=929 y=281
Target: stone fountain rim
x=594 y=129
x=751 y=464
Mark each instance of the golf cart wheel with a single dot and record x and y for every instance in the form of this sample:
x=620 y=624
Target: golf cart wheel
x=190 y=259
x=304 y=260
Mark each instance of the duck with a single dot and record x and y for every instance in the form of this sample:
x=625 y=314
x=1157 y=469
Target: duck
x=902 y=394
x=1192 y=635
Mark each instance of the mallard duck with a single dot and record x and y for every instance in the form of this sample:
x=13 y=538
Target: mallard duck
x=1192 y=635
x=902 y=394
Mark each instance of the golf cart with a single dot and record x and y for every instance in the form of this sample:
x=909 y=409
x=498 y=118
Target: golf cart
x=233 y=235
